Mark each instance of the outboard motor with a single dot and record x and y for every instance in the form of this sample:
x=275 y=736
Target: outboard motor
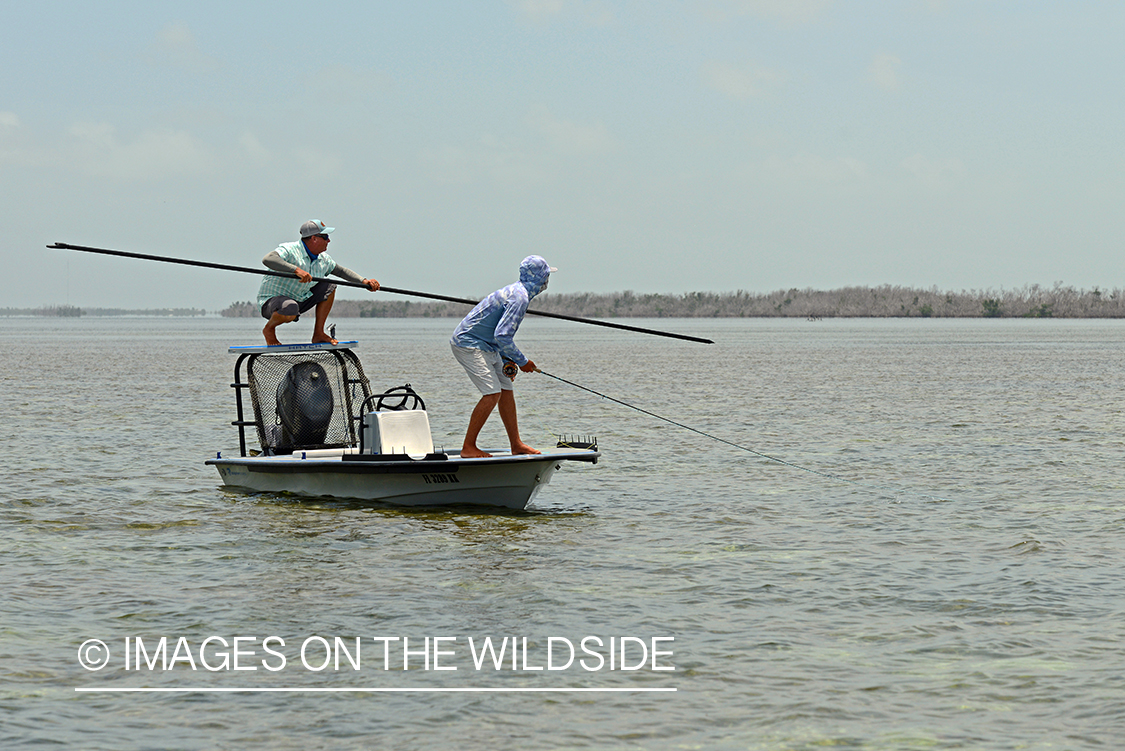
x=304 y=405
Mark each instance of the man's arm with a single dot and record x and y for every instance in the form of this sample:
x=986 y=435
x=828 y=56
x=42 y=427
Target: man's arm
x=274 y=262
x=509 y=323
x=351 y=276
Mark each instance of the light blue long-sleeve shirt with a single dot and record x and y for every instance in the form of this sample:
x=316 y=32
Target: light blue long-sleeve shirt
x=492 y=324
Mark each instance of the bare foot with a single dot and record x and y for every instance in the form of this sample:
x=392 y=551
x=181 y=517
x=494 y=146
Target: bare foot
x=472 y=452
x=271 y=336
x=523 y=448
x=323 y=339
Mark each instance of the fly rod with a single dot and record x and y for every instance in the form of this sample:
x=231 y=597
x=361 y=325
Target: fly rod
x=826 y=475
x=382 y=288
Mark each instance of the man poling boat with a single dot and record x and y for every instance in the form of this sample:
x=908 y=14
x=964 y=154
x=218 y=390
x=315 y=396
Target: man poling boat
x=283 y=299
x=382 y=288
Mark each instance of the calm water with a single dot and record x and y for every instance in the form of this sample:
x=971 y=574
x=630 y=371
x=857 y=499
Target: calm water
x=963 y=589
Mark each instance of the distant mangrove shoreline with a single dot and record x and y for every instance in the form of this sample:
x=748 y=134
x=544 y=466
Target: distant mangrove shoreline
x=886 y=301
x=72 y=311
x=1032 y=301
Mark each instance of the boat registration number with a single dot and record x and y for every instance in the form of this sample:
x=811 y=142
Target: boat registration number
x=440 y=479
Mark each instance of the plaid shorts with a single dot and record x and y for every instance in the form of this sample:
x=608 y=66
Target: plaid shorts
x=287 y=306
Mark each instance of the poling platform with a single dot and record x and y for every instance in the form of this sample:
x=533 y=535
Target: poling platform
x=261 y=349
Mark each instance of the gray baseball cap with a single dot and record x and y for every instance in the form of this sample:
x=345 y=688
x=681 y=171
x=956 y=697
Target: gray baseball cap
x=315 y=227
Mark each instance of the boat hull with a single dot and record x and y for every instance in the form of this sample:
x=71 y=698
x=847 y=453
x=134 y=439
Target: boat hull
x=501 y=480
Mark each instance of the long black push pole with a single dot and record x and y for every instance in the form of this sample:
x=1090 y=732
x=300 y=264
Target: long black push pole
x=382 y=288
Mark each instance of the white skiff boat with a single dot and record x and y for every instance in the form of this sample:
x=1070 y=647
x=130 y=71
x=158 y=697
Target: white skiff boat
x=322 y=432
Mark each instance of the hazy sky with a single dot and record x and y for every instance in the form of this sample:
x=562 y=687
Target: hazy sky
x=708 y=145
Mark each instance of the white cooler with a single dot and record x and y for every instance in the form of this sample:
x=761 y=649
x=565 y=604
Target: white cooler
x=404 y=432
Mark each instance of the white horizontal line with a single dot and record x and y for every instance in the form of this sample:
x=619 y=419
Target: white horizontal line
x=372 y=690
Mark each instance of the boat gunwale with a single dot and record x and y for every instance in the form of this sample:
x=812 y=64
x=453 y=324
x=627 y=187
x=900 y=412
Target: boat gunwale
x=289 y=464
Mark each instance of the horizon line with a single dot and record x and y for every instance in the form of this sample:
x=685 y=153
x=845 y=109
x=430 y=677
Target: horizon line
x=295 y=689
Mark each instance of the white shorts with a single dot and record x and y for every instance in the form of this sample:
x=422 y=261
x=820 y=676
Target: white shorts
x=485 y=369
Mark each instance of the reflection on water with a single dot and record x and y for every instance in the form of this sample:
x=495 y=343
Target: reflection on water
x=806 y=612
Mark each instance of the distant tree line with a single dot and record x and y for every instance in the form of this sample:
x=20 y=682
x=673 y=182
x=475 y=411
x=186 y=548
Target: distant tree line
x=51 y=311
x=71 y=311
x=886 y=301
